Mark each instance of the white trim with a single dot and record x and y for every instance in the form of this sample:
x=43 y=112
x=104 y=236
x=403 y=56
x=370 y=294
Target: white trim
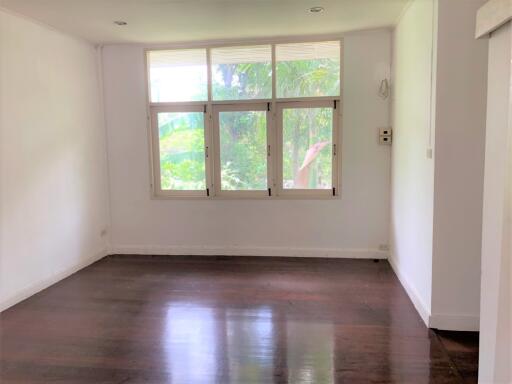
x=235 y=250
x=221 y=43
x=416 y=299
x=155 y=140
x=491 y=16
x=217 y=171
x=404 y=11
x=211 y=130
x=101 y=86
x=336 y=148
x=34 y=288
x=445 y=321
x=451 y=322
x=245 y=101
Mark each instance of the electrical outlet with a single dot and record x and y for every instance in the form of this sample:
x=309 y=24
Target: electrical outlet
x=104 y=232
x=384 y=247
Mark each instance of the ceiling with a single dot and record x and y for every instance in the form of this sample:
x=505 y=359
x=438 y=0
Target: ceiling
x=165 y=21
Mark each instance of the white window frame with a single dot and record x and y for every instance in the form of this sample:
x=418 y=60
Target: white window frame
x=155 y=136
x=274 y=129
x=281 y=191
x=257 y=106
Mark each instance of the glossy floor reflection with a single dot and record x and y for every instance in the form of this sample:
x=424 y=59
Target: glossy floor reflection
x=188 y=320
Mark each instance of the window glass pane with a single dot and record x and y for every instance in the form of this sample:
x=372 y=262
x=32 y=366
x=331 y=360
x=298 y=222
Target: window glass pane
x=308 y=69
x=178 y=75
x=182 y=160
x=307 y=148
x=240 y=73
x=243 y=150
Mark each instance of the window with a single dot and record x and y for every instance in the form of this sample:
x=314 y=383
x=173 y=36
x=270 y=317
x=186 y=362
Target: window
x=179 y=75
x=180 y=150
x=241 y=73
x=258 y=121
x=308 y=69
x=241 y=138
x=307 y=143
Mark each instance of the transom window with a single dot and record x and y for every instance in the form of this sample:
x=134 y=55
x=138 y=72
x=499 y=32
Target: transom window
x=258 y=121
x=241 y=73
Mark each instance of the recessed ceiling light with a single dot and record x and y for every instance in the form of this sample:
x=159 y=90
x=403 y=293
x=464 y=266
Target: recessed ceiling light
x=120 y=22
x=316 y=9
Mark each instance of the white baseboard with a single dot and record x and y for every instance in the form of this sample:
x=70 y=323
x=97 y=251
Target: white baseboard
x=47 y=282
x=192 y=250
x=419 y=304
x=439 y=321
x=449 y=322
x=251 y=251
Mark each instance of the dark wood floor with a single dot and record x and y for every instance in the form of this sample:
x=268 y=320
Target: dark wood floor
x=243 y=320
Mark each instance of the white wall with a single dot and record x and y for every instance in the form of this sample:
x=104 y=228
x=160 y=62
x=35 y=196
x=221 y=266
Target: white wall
x=461 y=90
x=53 y=189
x=496 y=302
x=438 y=159
x=412 y=171
x=354 y=225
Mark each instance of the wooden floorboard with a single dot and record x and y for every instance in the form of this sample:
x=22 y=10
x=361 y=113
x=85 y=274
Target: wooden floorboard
x=243 y=320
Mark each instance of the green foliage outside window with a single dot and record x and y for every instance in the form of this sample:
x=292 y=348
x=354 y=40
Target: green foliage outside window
x=243 y=150
x=307 y=148
x=308 y=78
x=243 y=147
x=182 y=161
x=242 y=81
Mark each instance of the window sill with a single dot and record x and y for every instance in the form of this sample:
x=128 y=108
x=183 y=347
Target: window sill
x=156 y=196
